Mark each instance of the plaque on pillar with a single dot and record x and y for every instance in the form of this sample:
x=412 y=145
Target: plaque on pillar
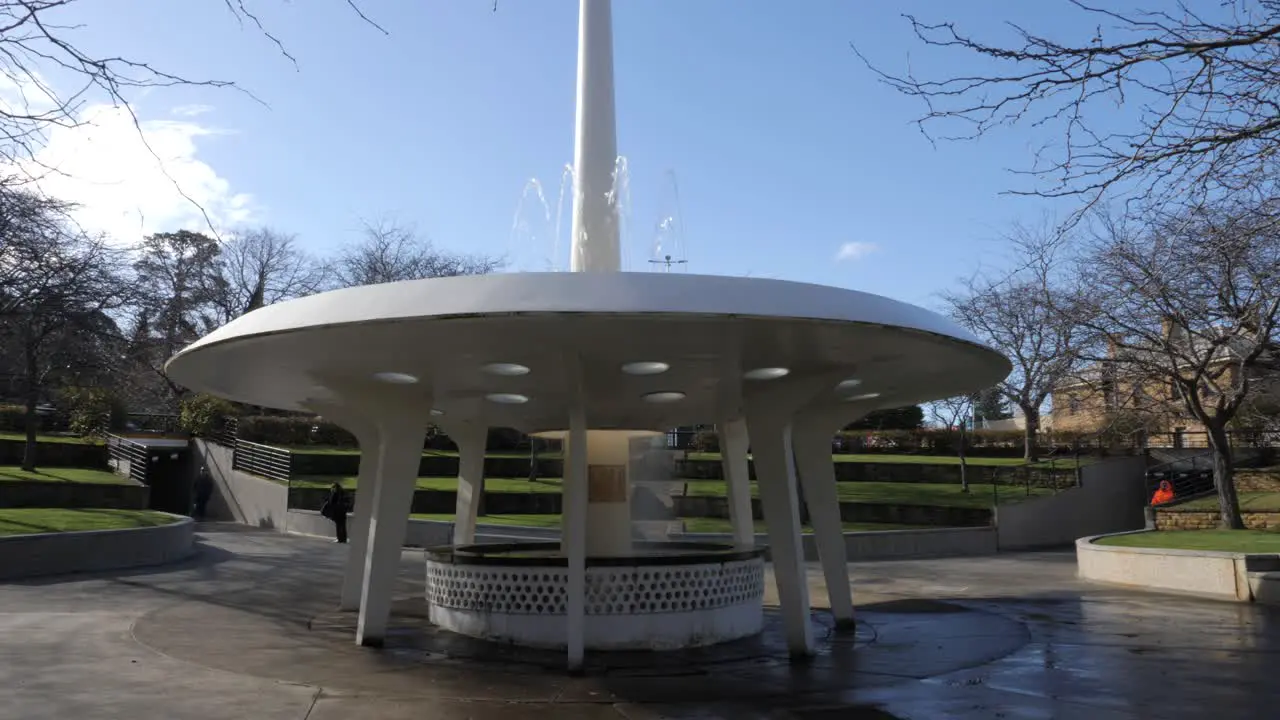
x=606 y=484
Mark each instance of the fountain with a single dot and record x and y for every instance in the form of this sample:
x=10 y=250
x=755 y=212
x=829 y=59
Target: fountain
x=604 y=359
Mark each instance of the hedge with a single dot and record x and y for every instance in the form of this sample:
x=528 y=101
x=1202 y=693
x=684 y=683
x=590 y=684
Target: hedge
x=316 y=431
x=13 y=418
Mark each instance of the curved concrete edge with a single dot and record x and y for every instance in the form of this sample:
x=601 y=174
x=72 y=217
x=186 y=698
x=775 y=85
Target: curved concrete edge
x=60 y=553
x=871 y=545
x=1239 y=577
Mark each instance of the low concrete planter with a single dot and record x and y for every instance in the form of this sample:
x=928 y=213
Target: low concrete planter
x=879 y=545
x=24 y=556
x=1221 y=575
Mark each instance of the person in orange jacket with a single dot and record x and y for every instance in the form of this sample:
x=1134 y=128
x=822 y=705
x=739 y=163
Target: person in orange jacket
x=1164 y=493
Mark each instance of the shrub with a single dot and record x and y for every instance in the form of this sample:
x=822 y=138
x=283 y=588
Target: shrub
x=90 y=409
x=705 y=441
x=201 y=414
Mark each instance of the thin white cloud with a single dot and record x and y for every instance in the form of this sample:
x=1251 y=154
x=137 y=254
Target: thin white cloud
x=855 y=250
x=127 y=187
x=191 y=110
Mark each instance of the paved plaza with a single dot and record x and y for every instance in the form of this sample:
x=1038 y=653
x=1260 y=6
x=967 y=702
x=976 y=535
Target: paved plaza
x=246 y=629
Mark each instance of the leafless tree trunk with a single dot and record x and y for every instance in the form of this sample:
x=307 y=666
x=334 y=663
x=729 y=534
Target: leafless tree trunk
x=1202 y=79
x=953 y=413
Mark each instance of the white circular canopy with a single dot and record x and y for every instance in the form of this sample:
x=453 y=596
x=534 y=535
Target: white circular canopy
x=485 y=341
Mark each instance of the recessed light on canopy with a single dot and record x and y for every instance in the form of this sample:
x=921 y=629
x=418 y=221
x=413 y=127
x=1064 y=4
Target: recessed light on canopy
x=766 y=373
x=664 y=396
x=645 y=367
x=395 y=378
x=506 y=369
x=507 y=398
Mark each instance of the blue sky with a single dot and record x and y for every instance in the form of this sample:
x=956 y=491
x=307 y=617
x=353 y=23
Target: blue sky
x=785 y=147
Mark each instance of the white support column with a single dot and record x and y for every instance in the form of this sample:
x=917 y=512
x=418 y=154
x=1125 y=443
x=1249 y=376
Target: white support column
x=399 y=454
x=574 y=524
x=353 y=571
x=366 y=433
x=770 y=433
x=811 y=440
x=734 y=442
x=470 y=437
x=594 y=241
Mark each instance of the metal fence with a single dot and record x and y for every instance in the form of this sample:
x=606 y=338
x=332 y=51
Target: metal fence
x=122 y=450
x=265 y=461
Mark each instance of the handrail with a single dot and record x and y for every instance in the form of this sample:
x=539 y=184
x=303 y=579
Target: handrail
x=266 y=461
x=122 y=449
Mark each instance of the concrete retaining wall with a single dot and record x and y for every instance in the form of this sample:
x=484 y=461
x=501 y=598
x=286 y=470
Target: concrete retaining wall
x=1111 y=498
x=942 y=542
x=1212 y=520
x=1222 y=575
x=239 y=496
x=32 y=494
x=23 y=556
x=55 y=454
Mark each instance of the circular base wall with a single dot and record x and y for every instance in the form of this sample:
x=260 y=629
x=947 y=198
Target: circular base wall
x=650 y=601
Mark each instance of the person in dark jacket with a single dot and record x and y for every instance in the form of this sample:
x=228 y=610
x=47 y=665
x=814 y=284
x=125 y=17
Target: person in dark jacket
x=335 y=508
x=204 y=490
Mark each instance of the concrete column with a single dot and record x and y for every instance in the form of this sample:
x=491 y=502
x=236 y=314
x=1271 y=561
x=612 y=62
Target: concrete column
x=574 y=530
x=776 y=476
x=366 y=433
x=811 y=440
x=353 y=571
x=595 y=243
x=400 y=435
x=734 y=442
x=470 y=436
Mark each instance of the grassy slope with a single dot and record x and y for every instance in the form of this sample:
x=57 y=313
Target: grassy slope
x=980 y=495
x=64 y=439
x=1249 y=502
x=1249 y=541
x=63 y=475
x=707 y=525
x=889 y=459
x=19 y=521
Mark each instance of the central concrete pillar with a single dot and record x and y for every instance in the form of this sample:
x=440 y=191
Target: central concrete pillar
x=608 y=511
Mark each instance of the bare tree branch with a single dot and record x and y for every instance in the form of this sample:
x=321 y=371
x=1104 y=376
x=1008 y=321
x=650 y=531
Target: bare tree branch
x=1156 y=105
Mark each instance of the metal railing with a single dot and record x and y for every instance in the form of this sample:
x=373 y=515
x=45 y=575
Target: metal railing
x=226 y=432
x=122 y=450
x=265 y=461
x=1191 y=477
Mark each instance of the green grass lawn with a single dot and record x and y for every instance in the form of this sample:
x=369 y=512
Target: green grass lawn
x=980 y=495
x=1062 y=463
x=1249 y=502
x=326 y=450
x=21 y=521
x=64 y=439
x=704 y=525
x=63 y=475
x=1245 y=541
x=519 y=485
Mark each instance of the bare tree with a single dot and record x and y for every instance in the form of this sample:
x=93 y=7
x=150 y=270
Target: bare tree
x=1189 y=305
x=954 y=414
x=61 y=288
x=389 y=253
x=1198 y=87
x=1023 y=315
x=259 y=267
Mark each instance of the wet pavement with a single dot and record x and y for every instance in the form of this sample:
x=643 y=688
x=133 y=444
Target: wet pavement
x=246 y=630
